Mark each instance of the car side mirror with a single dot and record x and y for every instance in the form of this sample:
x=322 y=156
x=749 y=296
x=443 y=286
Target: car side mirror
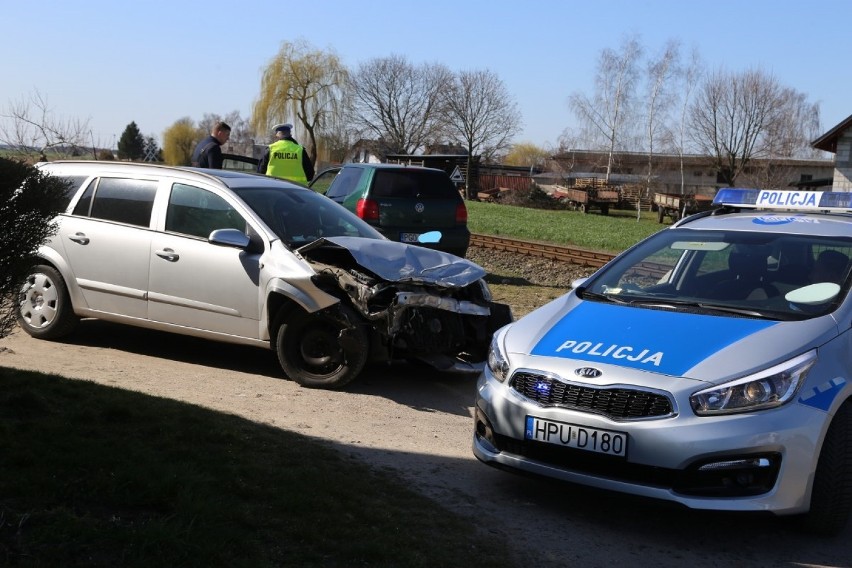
x=229 y=238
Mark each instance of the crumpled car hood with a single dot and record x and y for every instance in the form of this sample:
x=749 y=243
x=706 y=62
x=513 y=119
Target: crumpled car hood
x=400 y=262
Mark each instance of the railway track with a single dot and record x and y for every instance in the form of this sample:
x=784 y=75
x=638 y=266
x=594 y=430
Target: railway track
x=573 y=255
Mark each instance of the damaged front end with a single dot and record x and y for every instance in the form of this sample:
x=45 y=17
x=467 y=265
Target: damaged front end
x=419 y=303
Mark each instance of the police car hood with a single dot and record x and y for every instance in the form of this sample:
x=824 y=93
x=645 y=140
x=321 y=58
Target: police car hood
x=569 y=333
x=400 y=262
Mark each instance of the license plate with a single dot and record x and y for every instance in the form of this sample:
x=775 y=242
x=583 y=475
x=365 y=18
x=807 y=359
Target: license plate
x=568 y=435
x=409 y=237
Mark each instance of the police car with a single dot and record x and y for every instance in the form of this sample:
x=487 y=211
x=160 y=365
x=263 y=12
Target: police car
x=707 y=365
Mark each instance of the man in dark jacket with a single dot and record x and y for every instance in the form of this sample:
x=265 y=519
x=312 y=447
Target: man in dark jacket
x=285 y=158
x=208 y=152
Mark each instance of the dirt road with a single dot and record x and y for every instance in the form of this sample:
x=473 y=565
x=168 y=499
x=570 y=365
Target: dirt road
x=416 y=423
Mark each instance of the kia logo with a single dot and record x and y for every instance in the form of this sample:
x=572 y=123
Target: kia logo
x=588 y=372
x=419 y=208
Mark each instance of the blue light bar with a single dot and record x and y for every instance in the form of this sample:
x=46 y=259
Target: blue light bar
x=786 y=200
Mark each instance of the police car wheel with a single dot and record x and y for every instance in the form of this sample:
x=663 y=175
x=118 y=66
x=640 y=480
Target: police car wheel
x=44 y=305
x=322 y=350
x=831 y=497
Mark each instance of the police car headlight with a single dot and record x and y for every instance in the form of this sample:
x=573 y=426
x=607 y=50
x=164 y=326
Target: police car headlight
x=496 y=361
x=767 y=389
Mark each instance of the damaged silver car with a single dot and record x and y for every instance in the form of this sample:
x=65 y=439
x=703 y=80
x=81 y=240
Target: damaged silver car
x=249 y=259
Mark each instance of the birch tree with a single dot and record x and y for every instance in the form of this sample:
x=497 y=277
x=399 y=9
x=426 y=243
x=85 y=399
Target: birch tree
x=608 y=111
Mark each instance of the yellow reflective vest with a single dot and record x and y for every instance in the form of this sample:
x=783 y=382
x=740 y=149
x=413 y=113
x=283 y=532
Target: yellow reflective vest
x=285 y=161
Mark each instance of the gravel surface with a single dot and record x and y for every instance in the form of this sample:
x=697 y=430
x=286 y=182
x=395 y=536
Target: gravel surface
x=525 y=282
x=514 y=268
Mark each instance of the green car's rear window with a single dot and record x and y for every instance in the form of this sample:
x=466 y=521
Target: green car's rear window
x=413 y=184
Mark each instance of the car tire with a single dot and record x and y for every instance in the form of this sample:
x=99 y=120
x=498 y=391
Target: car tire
x=831 y=496
x=324 y=350
x=44 y=305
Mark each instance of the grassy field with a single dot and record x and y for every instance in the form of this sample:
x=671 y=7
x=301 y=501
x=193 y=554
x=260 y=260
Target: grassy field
x=609 y=233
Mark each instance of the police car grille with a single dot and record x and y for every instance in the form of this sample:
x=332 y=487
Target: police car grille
x=615 y=403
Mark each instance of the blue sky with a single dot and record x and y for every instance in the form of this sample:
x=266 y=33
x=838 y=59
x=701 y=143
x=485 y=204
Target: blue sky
x=154 y=62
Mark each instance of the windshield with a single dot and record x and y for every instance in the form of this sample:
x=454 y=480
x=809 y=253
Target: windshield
x=300 y=216
x=770 y=275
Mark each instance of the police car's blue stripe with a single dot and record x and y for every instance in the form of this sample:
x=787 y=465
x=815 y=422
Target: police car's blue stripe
x=655 y=340
x=823 y=395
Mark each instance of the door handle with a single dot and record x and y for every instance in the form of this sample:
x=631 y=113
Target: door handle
x=168 y=254
x=80 y=238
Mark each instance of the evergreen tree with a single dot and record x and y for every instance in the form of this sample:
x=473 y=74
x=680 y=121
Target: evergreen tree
x=131 y=145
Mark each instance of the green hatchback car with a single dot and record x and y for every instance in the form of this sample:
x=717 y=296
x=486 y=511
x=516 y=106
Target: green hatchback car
x=401 y=202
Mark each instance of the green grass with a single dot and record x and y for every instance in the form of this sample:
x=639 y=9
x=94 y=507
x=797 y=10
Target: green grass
x=98 y=476
x=608 y=233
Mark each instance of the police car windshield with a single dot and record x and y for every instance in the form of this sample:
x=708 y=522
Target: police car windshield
x=765 y=274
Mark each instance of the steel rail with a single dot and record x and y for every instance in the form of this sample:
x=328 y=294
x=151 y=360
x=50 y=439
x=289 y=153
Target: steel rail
x=583 y=257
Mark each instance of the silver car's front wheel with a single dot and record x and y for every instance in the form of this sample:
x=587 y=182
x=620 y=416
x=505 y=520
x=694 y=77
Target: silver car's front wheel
x=44 y=306
x=325 y=350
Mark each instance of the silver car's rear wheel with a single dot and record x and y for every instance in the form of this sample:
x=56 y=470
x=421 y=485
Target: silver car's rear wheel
x=44 y=306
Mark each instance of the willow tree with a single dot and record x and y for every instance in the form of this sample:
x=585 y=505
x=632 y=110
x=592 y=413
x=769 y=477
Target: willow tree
x=179 y=141
x=303 y=85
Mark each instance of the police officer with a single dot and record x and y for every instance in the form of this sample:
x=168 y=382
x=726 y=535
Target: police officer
x=285 y=158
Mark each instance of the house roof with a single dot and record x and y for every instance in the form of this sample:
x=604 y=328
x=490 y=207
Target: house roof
x=828 y=141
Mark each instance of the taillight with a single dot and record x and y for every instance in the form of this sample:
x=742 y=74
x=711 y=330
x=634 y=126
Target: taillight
x=368 y=210
x=461 y=214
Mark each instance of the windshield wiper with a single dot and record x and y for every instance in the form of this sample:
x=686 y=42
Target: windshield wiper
x=584 y=294
x=701 y=305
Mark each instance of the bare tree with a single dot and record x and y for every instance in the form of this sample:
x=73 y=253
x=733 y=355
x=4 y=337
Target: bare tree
x=304 y=85
x=398 y=103
x=739 y=117
x=613 y=101
x=32 y=130
x=481 y=115
x=659 y=99
x=242 y=140
x=689 y=77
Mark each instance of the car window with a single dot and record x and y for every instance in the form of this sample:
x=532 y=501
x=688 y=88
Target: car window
x=409 y=183
x=198 y=212
x=323 y=180
x=344 y=184
x=118 y=199
x=301 y=216
x=72 y=184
